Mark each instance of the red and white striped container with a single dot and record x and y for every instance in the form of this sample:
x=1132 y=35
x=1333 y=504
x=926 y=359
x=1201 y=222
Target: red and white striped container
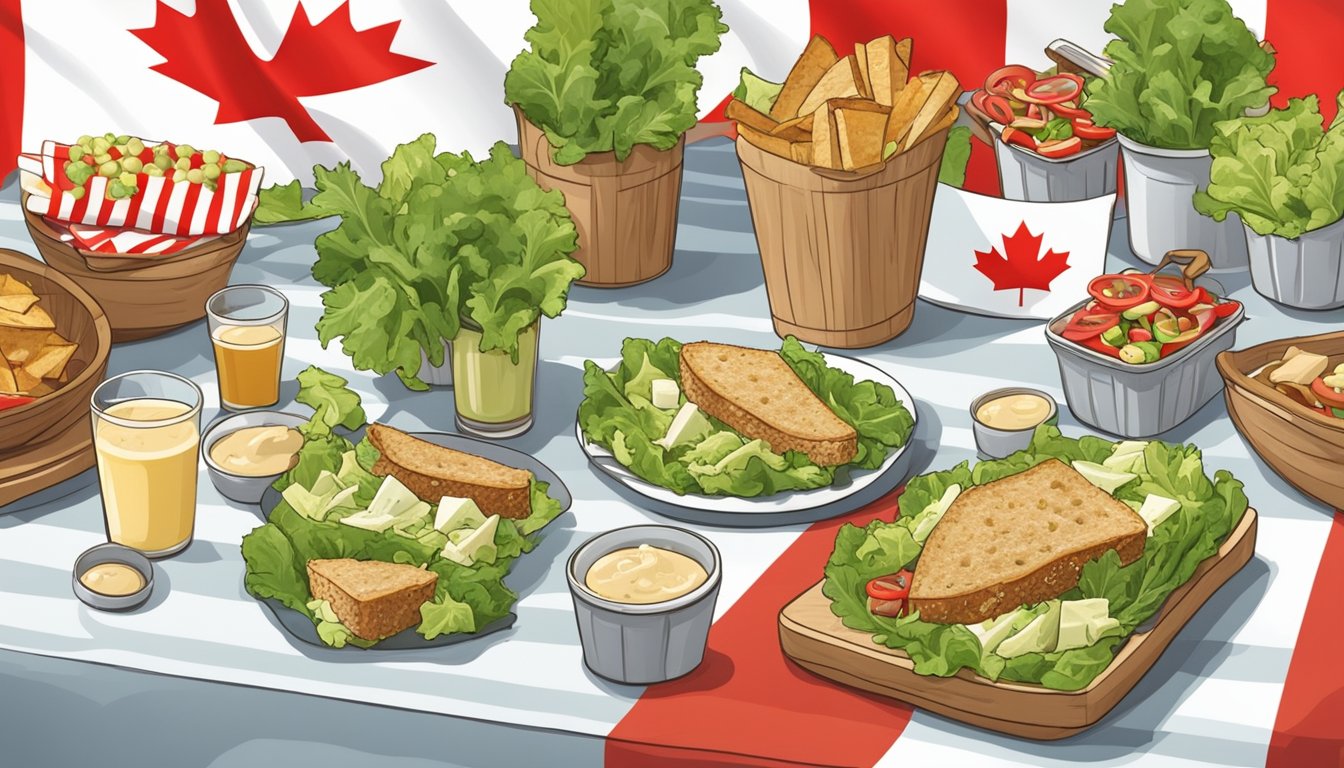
x=160 y=207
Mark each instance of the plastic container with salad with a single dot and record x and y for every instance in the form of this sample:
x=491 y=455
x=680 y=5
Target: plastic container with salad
x=1049 y=150
x=1137 y=357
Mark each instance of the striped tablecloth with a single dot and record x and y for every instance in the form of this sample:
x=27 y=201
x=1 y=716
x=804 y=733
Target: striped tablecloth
x=1216 y=697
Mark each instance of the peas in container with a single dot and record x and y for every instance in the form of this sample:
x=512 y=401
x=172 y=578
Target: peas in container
x=126 y=160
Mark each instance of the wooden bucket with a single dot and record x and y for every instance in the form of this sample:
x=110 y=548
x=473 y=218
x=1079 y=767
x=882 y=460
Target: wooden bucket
x=79 y=319
x=143 y=296
x=842 y=251
x=625 y=212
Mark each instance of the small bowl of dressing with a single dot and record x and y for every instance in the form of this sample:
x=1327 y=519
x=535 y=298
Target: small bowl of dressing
x=246 y=452
x=1004 y=420
x=644 y=598
x=111 y=577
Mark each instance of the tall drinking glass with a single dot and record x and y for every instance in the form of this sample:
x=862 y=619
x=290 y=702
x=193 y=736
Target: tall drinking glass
x=247 y=330
x=146 y=435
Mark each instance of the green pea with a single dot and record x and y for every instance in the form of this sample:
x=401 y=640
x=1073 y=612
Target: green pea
x=179 y=176
x=162 y=162
x=234 y=166
x=77 y=193
x=153 y=170
x=122 y=139
x=210 y=171
x=79 y=173
x=132 y=164
x=183 y=164
x=127 y=179
x=109 y=169
x=76 y=152
x=116 y=190
x=110 y=138
x=210 y=156
x=210 y=185
x=84 y=139
x=100 y=145
x=135 y=146
x=195 y=176
x=185 y=150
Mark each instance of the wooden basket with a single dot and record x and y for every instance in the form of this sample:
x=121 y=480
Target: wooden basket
x=842 y=251
x=1304 y=447
x=79 y=319
x=143 y=296
x=625 y=212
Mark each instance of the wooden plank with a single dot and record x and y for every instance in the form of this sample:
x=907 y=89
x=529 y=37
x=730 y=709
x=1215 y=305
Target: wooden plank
x=815 y=638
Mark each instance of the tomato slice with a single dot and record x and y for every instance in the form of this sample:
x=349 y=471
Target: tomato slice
x=1327 y=394
x=1087 y=325
x=1054 y=89
x=1034 y=112
x=1070 y=146
x=1084 y=128
x=1012 y=135
x=1119 y=292
x=894 y=586
x=998 y=108
x=1004 y=79
x=891 y=609
x=1170 y=291
x=1226 y=308
x=1069 y=111
x=1096 y=344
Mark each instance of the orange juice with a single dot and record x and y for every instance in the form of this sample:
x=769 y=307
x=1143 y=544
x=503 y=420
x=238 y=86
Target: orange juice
x=248 y=358
x=148 y=473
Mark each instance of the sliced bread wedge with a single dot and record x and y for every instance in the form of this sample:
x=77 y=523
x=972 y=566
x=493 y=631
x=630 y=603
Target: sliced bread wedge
x=431 y=472
x=756 y=393
x=1019 y=540
x=373 y=599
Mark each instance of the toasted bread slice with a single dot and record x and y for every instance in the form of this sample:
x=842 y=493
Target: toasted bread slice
x=825 y=141
x=837 y=83
x=756 y=393
x=817 y=58
x=1019 y=540
x=859 y=126
x=775 y=145
x=372 y=598
x=861 y=70
x=748 y=116
x=887 y=70
x=943 y=90
x=943 y=123
x=431 y=472
x=797 y=129
x=907 y=105
x=801 y=152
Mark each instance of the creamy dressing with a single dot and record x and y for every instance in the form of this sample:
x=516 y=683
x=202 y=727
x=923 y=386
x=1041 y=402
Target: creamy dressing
x=113 y=579
x=257 y=451
x=1020 y=411
x=644 y=574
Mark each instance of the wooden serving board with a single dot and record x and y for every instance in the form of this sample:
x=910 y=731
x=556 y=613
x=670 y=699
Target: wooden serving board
x=814 y=638
x=26 y=471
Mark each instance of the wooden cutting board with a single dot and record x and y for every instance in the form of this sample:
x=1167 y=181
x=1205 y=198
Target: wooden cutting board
x=32 y=469
x=814 y=638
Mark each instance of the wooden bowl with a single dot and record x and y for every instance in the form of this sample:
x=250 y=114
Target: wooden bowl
x=79 y=319
x=1304 y=447
x=143 y=296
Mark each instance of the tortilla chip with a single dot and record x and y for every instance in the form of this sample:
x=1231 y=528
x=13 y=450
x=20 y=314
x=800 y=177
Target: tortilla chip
x=26 y=381
x=817 y=58
x=19 y=304
x=801 y=152
x=12 y=286
x=745 y=115
x=49 y=361
x=908 y=103
x=36 y=317
x=825 y=143
x=837 y=83
x=945 y=122
x=18 y=344
x=888 y=68
x=8 y=385
x=797 y=129
x=943 y=90
x=772 y=144
x=861 y=69
x=859 y=127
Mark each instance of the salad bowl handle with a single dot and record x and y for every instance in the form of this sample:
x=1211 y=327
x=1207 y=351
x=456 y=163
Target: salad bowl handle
x=1193 y=263
x=1071 y=57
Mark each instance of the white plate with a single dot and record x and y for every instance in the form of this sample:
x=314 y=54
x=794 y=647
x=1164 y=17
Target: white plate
x=787 y=507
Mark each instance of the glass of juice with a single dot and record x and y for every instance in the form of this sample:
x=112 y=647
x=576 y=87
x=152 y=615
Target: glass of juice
x=146 y=436
x=494 y=393
x=247 y=330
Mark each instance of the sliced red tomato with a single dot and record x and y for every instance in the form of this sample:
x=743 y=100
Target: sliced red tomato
x=1119 y=292
x=1084 y=128
x=1087 y=325
x=998 y=109
x=891 y=609
x=1070 y=146
x=1012 y=135
x=1326 y=394
x=1226 y=308
x=1137 y=334
x=1054 y=89
x=1095 y=343
x=1170 y=291
x=14 y=401
x=895 y=586
x=1034 y=112
x=1069 y=111
x=1004 y=79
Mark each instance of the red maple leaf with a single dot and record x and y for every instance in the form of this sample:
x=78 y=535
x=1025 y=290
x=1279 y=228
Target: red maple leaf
x=208 y=53
x=1023 y=267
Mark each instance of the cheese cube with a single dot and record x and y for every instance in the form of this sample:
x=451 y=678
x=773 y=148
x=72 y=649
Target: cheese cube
x=666 y=394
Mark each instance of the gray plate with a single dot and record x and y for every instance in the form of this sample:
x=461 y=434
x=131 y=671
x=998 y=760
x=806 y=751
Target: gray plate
x=303 y=629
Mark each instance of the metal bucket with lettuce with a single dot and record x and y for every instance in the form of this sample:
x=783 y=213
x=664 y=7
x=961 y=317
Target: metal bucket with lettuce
x=1177 y=68
x=1283 y=174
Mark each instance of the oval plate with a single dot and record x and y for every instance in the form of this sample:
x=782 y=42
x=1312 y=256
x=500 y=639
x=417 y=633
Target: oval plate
x=301 y=628
x=786 y=508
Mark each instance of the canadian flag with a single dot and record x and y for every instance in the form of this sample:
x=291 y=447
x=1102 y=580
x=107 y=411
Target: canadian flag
x=290 y=83
x=1006 y=258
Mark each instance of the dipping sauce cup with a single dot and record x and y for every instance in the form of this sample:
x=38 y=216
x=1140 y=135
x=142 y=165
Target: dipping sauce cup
x=146 y=435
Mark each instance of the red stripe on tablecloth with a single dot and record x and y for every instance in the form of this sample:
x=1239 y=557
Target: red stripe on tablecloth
x=746 y=704
x=1303 y=32
x=1307 y=731
x=11 y=84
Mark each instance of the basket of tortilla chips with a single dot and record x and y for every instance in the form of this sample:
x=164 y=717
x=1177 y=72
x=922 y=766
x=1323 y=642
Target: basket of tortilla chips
x=54 y=342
